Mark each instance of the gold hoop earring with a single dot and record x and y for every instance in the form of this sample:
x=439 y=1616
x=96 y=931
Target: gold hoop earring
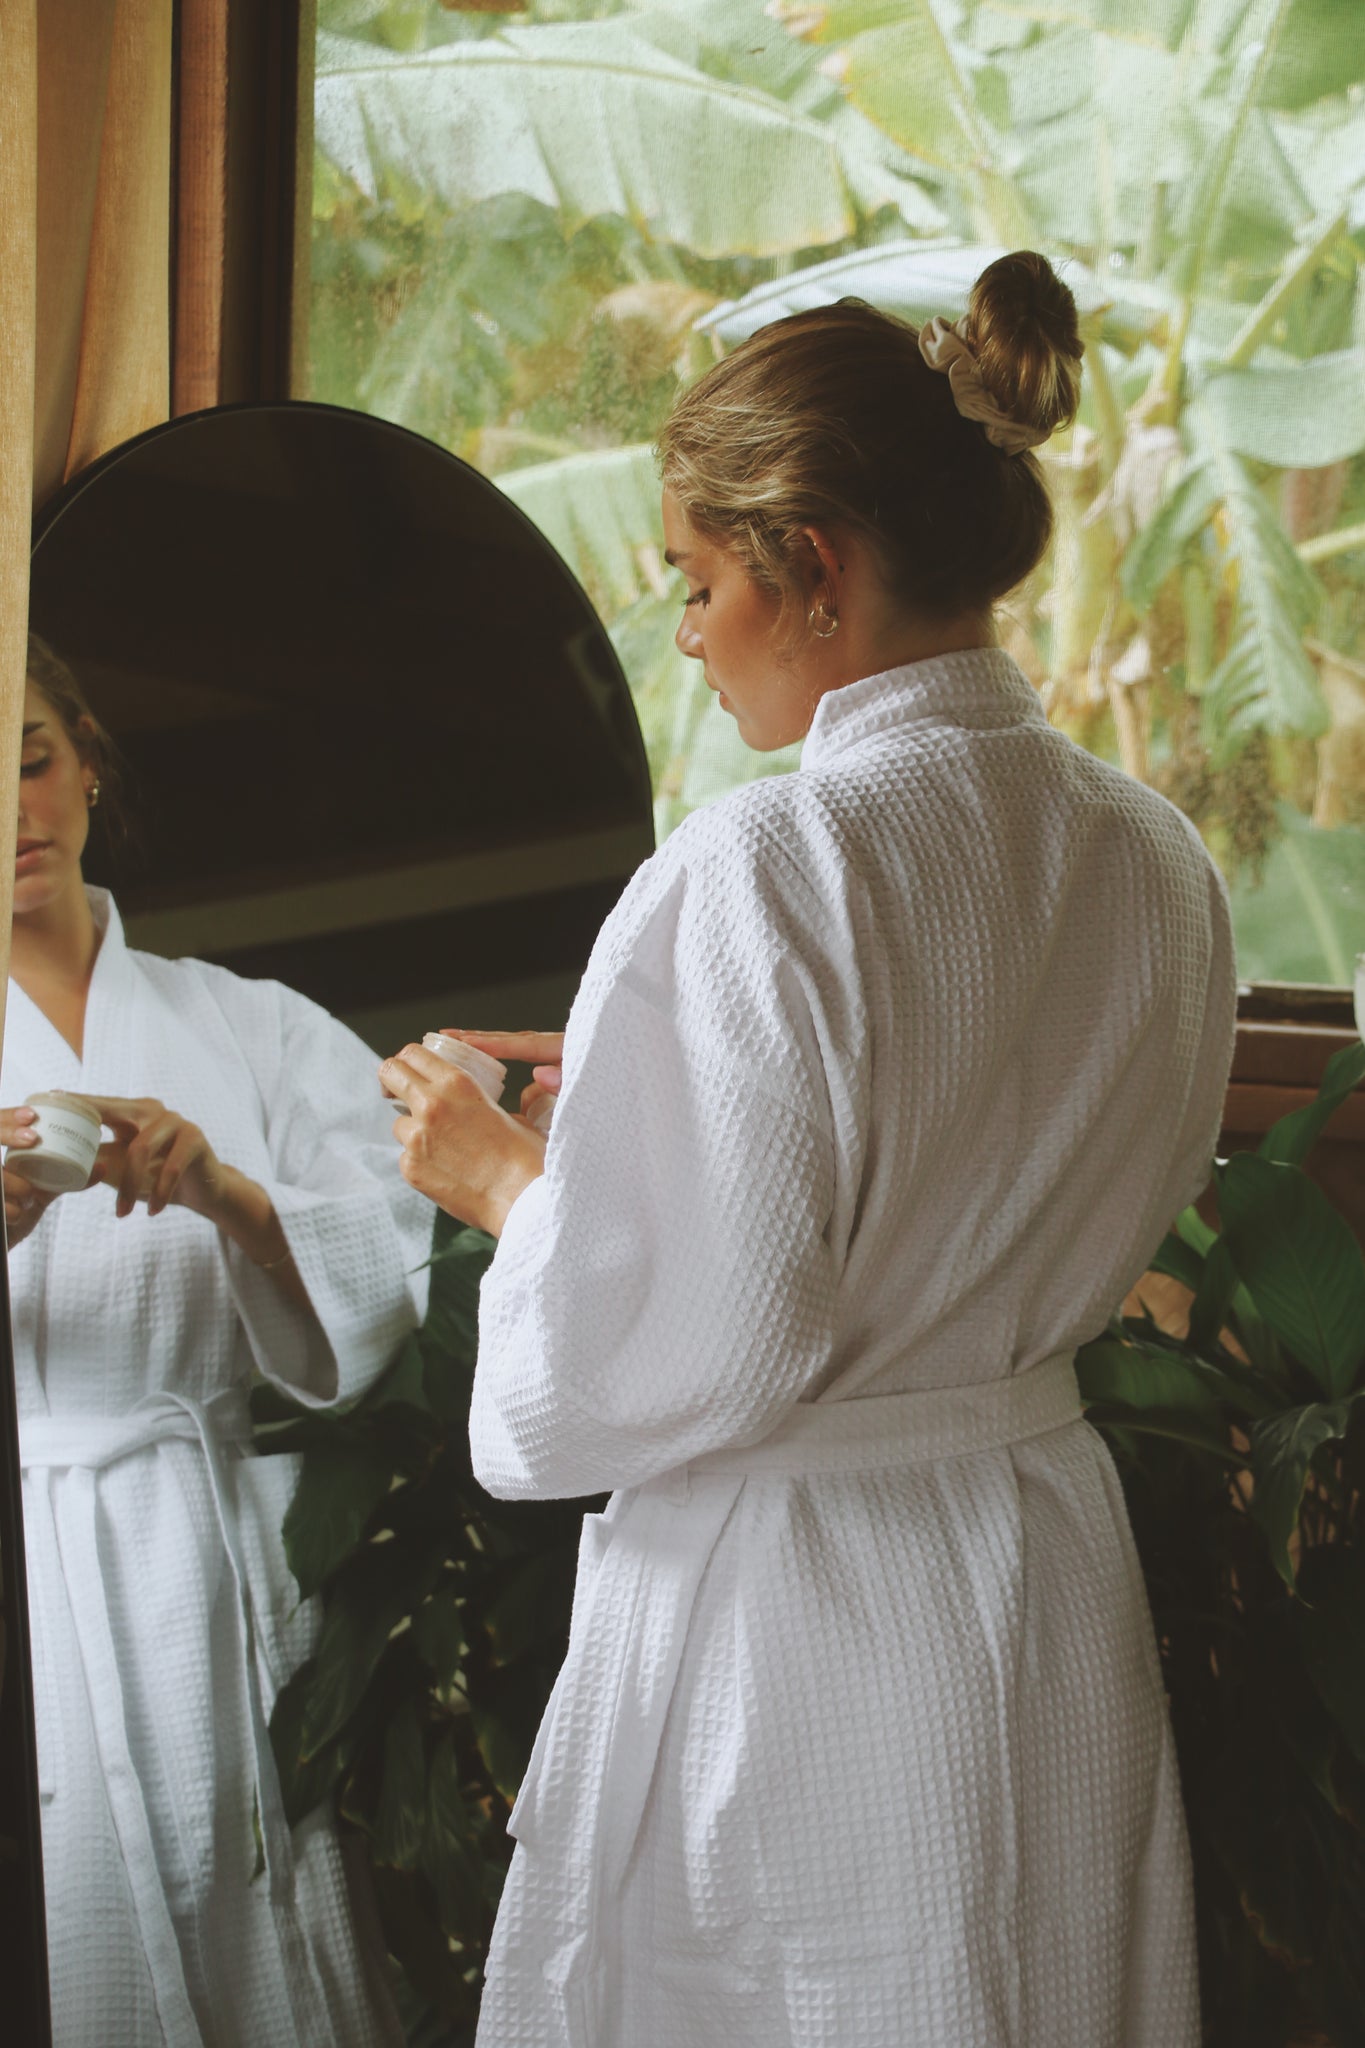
x=831 y=621
x=92 y=795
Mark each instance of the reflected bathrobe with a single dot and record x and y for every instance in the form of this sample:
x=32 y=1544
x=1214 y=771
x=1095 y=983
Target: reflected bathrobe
x=884 y=1081
x=149 y=1533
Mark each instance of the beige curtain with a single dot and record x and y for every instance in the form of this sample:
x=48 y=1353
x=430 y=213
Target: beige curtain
x=85 y=192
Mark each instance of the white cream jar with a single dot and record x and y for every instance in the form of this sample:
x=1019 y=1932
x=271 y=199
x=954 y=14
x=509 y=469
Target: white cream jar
x=480 y=1066
x=68 y=1132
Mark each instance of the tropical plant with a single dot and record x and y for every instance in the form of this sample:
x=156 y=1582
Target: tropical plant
x=531 y=232
x=445 y=1619
x=1241 y=1446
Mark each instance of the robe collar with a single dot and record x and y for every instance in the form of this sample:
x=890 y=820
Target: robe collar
x=108 y=984
x=981 y=688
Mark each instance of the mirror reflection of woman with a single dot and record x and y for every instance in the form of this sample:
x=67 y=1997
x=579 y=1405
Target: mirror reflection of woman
x=244 y=1216
x=884 y=1081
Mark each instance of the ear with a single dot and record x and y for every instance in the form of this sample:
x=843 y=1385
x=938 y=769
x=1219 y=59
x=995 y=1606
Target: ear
x=821 y=561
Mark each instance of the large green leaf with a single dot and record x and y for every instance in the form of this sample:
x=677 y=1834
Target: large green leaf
x=438 y=1631
x=911 y=80
x=450 y=1854
x=588 y=118
x=1293 y=1137
x=1301 y=918
x=1321 y=50
x=339 y=1488
x=1140 y=1375
x=1154 y=23
x=1156 y=550
x=1300 y=1263
x=1179 y=1261
x=915 y=280
x=1294 y=415
x=383 y=1586
x=1282 y=1448
x=597 y=510
x=305 y=1781
x=1265 y=681
x=1244 y=182
x=400 y=1826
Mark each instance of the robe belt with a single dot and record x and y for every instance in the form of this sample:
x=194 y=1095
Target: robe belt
x=83 y=1446
x=588 y=1780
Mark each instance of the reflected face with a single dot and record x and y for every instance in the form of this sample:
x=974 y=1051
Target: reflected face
x=54 y=808
x=735 y=630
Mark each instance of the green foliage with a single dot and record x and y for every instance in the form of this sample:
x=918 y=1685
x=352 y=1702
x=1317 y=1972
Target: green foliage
x=444 y=1621
x=532 y=231
x=1242 y=1452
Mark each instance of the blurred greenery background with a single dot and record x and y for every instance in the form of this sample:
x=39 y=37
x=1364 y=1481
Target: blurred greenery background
x=532 y=226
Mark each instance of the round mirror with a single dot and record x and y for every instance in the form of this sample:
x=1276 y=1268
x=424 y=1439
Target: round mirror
x=380 y=746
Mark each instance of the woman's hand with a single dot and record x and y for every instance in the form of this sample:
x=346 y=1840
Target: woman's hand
x=158 y=1157
x=25 y=1205
x=459 y=1149
x=542 y=1051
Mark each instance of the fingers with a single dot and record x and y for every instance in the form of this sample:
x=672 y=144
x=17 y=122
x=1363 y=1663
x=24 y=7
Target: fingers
x=551 y=1079
x=530 y=1046
x=187 y=1144
x=415 y=1072
x=141 y=1160
x=25 y=1205
x=124 y=1112
x=16 y=1127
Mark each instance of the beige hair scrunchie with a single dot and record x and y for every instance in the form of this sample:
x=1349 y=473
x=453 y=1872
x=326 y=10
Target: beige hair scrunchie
x=944 y=349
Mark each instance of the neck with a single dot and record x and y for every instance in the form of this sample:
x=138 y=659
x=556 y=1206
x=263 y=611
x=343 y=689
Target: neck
x=894 y=643
x=52 y=949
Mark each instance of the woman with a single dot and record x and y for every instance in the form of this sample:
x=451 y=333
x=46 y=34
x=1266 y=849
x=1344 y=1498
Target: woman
x=269 y=1234
x=883 y=1082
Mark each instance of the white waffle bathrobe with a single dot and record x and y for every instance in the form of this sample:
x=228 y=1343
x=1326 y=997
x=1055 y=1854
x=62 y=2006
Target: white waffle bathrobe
x=134 y=1341
x=884 y=1077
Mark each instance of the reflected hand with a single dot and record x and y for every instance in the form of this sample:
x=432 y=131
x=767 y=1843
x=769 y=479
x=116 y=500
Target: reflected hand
x=543 y=1052
x=158 y=1157
x=459 y=1149
x=25 y=1205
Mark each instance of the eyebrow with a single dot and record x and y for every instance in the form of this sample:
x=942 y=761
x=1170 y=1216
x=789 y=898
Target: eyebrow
x=38 y=725
x=675 y=560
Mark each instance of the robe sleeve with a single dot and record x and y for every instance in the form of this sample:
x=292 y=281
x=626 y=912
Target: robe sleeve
x=1208 y=1081
x=359 y=1235
x=667 y=1286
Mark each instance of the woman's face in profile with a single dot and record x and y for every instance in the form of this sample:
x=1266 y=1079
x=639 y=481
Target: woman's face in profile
x=735 y=630
x=54 y=807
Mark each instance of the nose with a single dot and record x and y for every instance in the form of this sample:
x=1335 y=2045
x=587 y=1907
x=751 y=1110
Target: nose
x=688 y=640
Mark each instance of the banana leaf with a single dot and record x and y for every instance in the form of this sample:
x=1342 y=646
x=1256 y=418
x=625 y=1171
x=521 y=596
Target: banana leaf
x=915 y=280
x=588 y=118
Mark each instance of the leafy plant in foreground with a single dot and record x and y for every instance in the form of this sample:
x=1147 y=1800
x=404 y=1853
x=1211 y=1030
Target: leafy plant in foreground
x=1242 y=1452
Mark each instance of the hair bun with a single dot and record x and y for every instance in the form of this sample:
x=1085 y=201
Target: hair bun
x=1021 y=325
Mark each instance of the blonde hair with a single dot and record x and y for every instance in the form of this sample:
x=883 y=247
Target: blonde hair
x=833 y=418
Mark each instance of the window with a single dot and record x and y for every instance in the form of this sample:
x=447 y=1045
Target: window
x=530 y=227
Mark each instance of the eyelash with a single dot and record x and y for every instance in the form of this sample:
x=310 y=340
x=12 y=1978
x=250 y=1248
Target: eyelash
x=702 y=597
x=35 y=767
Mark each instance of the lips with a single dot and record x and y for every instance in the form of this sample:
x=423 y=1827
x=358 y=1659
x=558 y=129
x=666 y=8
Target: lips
x=28 y=853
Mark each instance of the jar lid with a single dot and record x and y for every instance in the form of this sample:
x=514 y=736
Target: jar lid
x=57 y=1098
x=481 y=1066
